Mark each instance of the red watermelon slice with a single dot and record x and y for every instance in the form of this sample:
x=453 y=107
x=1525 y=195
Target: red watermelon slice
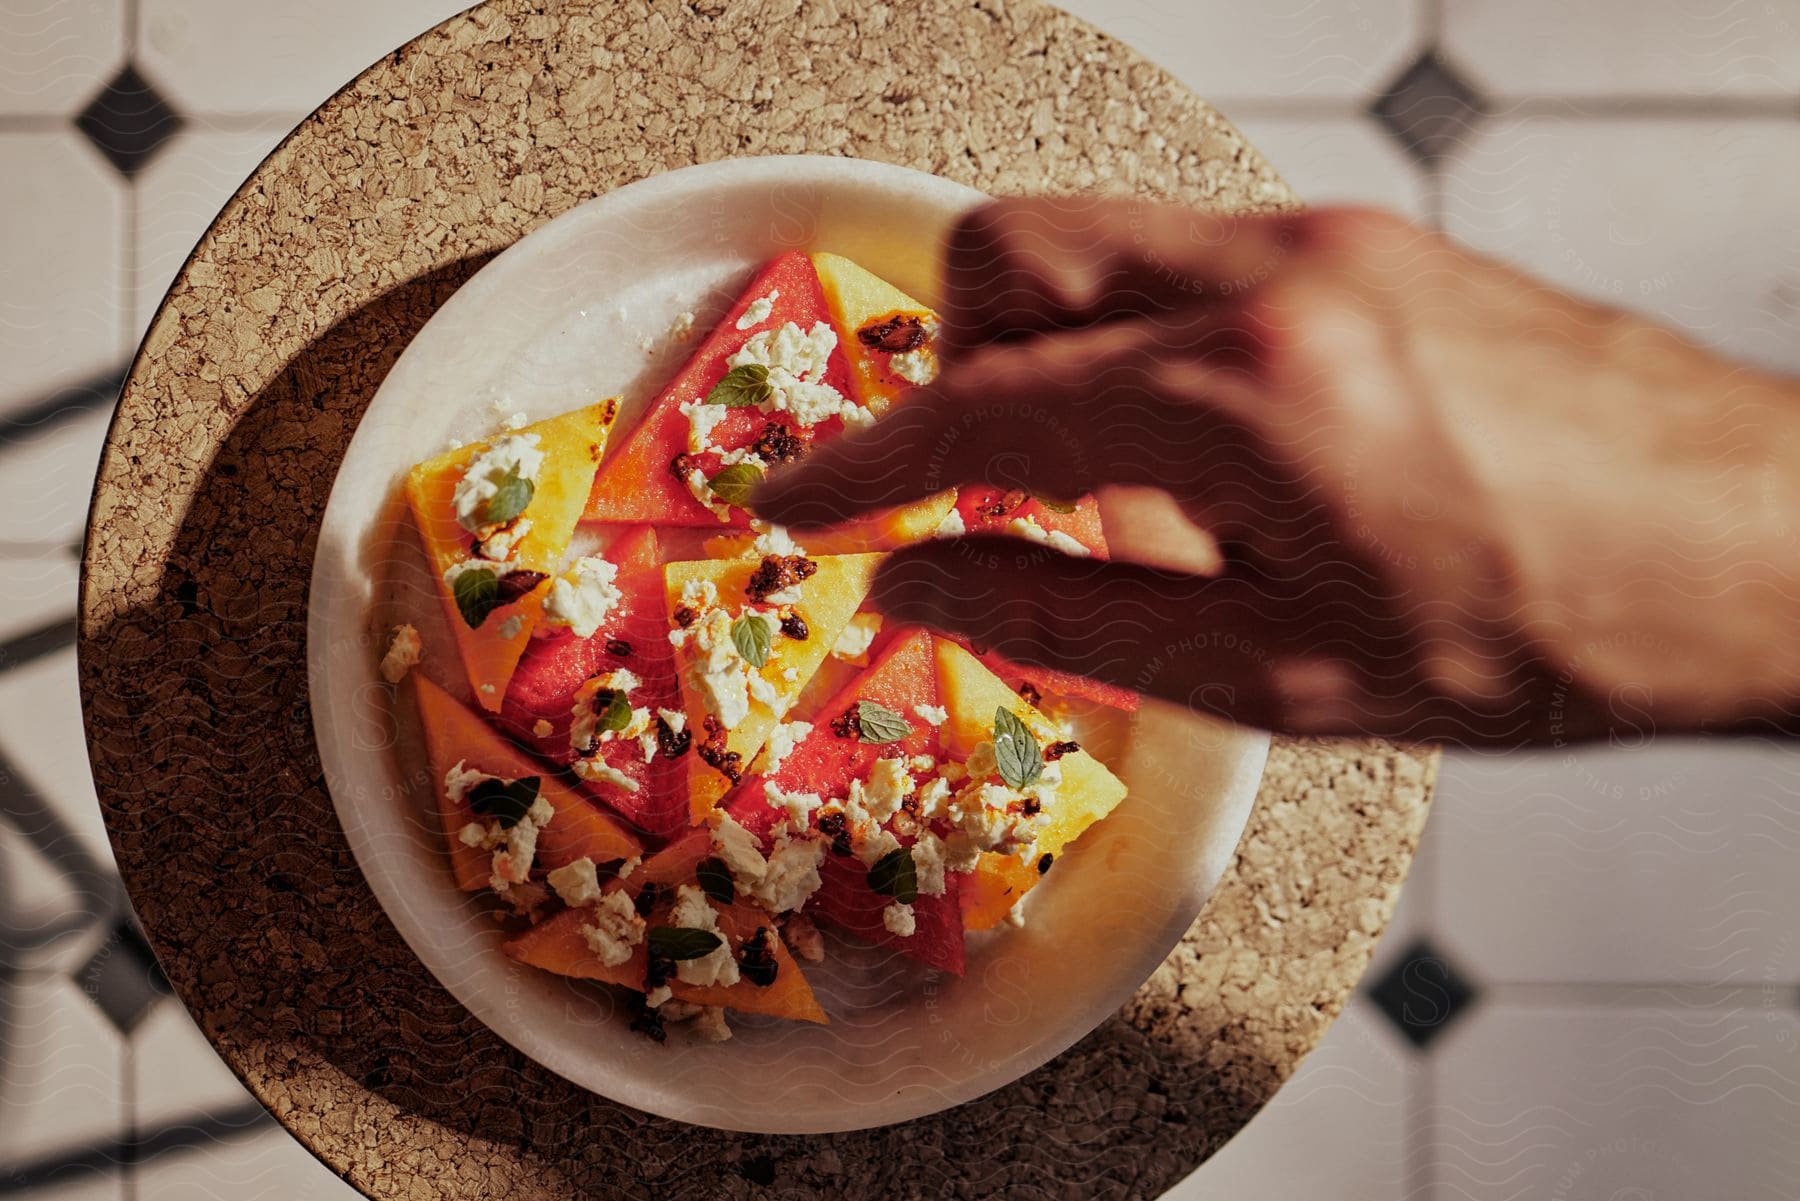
x=639 y=483
x=539 y=707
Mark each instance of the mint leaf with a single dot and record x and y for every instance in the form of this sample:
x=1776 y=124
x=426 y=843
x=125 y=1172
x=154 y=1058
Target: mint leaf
x=1016 y=752
x=750 y=634
x=682 y=942
x=611 y=710
x=894 y=875
x=742 y=387
x=509 y=500
x=477 y=593
x=506 y=801
x=715 y=879
x=734 y=484
x=878 y=724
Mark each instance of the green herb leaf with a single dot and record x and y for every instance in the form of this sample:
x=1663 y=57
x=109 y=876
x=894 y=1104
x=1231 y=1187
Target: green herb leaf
x=514 y=493
x=1055 y=506
x=742 y=387
x=715 y=879
x=682 y=942
x=895 y=876
x=1016 y=752
x=506 y=801
x=611 y=710
x=734 y=484
x=750 y=634
x=878 y=724
x=477 y=593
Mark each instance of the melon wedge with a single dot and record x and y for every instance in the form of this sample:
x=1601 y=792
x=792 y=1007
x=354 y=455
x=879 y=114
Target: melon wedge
x=884 y=530
x=985 y=509
x=556 y=945
x=453 y=734
x=828 y=600
x=862 y=301
x=789 y=996
x=573 y=444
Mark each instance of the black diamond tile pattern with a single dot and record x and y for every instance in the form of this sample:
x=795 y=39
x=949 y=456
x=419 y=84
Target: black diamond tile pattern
x=1422 y=994
x=128 y=121
x=122 y=978
x=1429 y=109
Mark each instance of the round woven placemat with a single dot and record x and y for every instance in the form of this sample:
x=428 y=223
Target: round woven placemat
x=231 y=427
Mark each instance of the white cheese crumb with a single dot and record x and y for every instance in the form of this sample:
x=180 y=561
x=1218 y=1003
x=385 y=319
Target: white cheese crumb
x=798 y=806
x=915 y=366
x=791 y=874
x=517 y=421
x=472 y=834
x=935 y=715
x=675 y=719
x=758 y=310
x=402 y=655
x=772 y=539
x=857 y=637
x=928 y=864
x=503 y=541
x=481 y=479
x=717 y=967
x=582 y=597
x=702 y=492
x=888 y=785
x=576 y=883
x=596 y=770
x=739 y=849
x=542 y=728
x=615 y=930
x=797 y=360
x=951 y=526
x=702 y=418
x=782 y=740
x=898 y=919
x=509 y=629
x=1025 y=527
x=658 y=996
x=803 y=938
x=709 y=1024
x=682 y=327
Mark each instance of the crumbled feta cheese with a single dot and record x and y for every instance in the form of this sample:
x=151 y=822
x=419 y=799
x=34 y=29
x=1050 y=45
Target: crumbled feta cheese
x=857 y=637
x=980 y=763
x=596 y=770
x=509 y=629
x=402 y=655
x=797 y=360
x=874 y=843
x=803 y=938
x=758 y=310
x=951 y=526
x=582 y=597
x=898 y=919
x=459 y=779
x=702 y=492
x=719 y=671
x=576 y=883
x=934 y=800
x=699 y=595
x=763 y=691
x=615 y=928
x=517 y=421
x=658 y=996
x=647 y=743
x=935 y=715
x=675 y=719
x=923 y=764
x=702 y=418
x=928 y=864
x=709 y=1024
x=1025 y=527
x=542 y=728
x=628 y=866
x=512 y=861
x=915 y=366
x=790 y=595
x=782 y=741
x=717 y=967
x=791 y=874
x=739 y=849
x=888 y=785
x=1015 y=917
x=481 y=479
x=682 y=327
x=472 y=834
x=798 y=806
x=772 y=539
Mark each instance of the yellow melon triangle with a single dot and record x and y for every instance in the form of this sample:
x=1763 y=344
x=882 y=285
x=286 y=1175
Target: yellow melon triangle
x=827 y=602
x=456 y=734
x=857 y=298
x=572 y=444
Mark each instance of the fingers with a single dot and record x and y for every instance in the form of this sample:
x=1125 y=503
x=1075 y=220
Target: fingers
x=1021 y=267
x=1128 y=404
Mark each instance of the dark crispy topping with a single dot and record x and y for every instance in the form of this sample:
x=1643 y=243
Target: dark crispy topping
x=647 y=1021
x=776 y=572
x=618 y=648
x=844 y=725
x=794 y=626
x=1031 y=695
x=648 y=898
x=681 y=465
x=756 y=959
x=657 y=970
x=729 y=764
x=833 y=826
x=684 y=617
x=1030 y=806
x=671 y=744
x=1045 y=862
x=1057 y=750
x=895 y=335
x=778 y=444
x=515 y=584
x=1003 y=504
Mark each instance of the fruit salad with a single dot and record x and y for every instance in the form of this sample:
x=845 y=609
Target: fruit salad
x=671 y=743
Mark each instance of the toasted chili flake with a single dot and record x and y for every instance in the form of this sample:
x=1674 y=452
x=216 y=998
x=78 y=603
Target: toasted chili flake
x=895 y=335
x=794 y=626
x=729 y=764
x=1003 y=504
x=1045 y=862
x=618 y=648
x=647 y=1021
x=756 y=959
x=681 y=465
x=671 y=744
x=833 y=826
x=1057 y=750
x=778 y=444
x=1030 y=806
x=515 y=584
x=684 y=617
x=657 y=970
x=1028 y=691
x=648 y=898
x=844 y=725
x=776 y=572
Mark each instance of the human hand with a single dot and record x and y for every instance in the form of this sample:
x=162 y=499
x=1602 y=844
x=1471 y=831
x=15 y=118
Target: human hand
x=1358 y=481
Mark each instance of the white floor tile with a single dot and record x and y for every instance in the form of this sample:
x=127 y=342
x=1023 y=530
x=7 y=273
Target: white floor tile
x=175 y=1071
x=57 y=53
x=1338 y=160
x=1346 y=1106
x=1279 y=50
x=229 y=56
x=1689 y=221
x=1618 y=1105
x=1626 y=47
x=39 y=586
x=1671 y=863
x=62 y=1084
x=49 y=475
x=179 y=195
x=41 y=735
x=61 y=251
x=265 y=1166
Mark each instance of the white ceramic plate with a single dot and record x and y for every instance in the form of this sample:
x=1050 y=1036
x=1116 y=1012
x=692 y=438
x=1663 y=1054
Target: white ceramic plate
x=555 y=322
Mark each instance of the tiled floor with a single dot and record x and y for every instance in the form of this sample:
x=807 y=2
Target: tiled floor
x=1591 y=990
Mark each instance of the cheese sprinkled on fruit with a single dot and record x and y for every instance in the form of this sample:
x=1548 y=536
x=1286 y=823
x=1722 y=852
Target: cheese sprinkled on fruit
x=582 y=597
x=898 y=919
x=857 y=637
x=758 y=310
x=614 y=930
x=1025 y=527
x=403 y=654
x=717 y=967
x=576 y=884
x=514 y=454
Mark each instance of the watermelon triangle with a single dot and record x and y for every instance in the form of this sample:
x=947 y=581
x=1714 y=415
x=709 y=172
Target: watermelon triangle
x=874 y=320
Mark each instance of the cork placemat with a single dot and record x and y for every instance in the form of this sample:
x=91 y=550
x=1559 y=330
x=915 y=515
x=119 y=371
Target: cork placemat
x=234 y=419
